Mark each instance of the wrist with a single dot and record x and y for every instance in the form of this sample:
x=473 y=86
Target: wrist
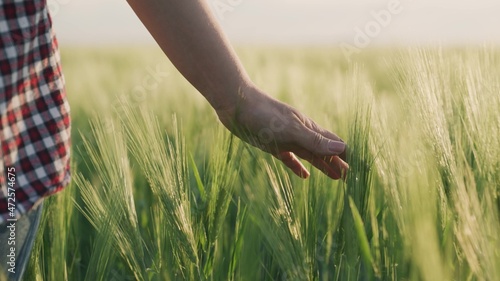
x=224 y=96
x=228 y=108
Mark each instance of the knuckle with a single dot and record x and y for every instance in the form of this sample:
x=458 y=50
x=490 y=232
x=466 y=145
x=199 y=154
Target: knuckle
x=317 y=140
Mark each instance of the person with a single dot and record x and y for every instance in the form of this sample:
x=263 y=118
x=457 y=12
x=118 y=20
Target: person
x=35 y=120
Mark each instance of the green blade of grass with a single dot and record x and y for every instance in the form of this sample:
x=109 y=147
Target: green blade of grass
x=360 y=230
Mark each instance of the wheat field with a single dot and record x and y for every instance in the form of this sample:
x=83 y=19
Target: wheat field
x=161 y=191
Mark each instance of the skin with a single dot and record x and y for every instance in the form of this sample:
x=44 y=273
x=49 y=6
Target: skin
x=189 y=35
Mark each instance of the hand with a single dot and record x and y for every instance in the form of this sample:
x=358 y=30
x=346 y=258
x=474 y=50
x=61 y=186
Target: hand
x=284 y=132
x=206 y=59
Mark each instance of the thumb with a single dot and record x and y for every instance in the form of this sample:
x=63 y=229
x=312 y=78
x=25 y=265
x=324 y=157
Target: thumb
x=319 y=145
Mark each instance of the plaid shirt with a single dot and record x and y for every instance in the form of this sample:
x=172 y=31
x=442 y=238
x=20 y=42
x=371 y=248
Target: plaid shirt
x=34 y=113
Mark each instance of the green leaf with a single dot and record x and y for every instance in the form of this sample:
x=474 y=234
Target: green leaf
x=360 y=230
x=197 y=177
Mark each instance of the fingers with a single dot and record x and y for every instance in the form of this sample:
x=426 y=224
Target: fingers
x=326 y=133
x=336 y=161
x=332 y=166
x=329 y=135
x=343 y=155
x=292 y=162
x=338 y=166
x=318 y=144
x=323 y=149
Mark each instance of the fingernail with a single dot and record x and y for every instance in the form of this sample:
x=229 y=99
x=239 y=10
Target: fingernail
x=336 y=147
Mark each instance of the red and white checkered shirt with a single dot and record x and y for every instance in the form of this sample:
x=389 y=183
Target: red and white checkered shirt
x=34 y=112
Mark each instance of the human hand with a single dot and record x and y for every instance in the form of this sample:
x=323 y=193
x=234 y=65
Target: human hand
x=208 y=62
x=284 y=132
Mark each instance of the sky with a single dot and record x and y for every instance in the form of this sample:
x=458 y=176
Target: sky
x=353 y=23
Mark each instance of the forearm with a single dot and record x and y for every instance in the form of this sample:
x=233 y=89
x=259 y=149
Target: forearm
x=191 y=38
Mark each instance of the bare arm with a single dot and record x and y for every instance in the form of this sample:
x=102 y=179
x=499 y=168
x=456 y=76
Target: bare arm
x=191 y=38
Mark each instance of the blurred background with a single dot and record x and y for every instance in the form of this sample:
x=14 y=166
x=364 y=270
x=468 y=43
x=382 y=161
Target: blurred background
x=422 y=198
x=294 y=22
